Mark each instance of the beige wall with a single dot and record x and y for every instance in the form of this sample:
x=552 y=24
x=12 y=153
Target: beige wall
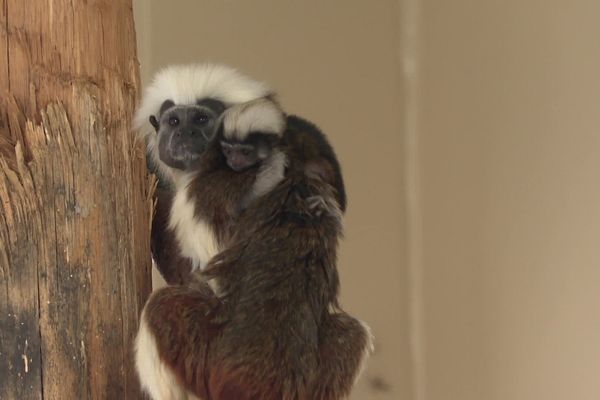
x=335 y=63
x=509 y=118
x=469 y=133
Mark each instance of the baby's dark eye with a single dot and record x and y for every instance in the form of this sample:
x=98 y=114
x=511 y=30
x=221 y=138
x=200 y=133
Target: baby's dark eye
x=246 y=152
x=201 y=118
x=173 y=121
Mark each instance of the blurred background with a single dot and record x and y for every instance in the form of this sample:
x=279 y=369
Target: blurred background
x=469 y=136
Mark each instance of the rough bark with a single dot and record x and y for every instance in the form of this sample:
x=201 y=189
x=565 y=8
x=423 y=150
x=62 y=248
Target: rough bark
x=74 y=200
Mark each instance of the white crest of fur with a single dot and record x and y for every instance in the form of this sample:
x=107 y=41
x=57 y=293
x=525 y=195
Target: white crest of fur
x=261 y=115
x=195 y=237
x=185 y=84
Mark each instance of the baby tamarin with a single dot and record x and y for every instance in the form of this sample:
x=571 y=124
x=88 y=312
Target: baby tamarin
x=275 y=330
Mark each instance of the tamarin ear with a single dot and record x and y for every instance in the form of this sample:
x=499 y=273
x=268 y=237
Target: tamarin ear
x=154 y=122
x=164 y=107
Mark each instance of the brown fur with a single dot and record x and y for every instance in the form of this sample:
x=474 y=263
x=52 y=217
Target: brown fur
x=302 y=141
x=219 y=207
x=174 y=268
x=275 y=332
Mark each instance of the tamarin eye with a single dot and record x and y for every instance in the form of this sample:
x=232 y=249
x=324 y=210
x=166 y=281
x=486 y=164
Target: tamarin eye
x=201 y=118
x=173 y=121
x=246 y=152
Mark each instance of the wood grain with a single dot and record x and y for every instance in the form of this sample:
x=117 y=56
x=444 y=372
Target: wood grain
x=75 y=200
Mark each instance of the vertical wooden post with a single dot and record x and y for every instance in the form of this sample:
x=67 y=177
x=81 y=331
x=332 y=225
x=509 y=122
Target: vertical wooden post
x=74 y=200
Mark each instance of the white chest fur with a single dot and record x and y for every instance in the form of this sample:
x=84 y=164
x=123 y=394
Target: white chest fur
x=195 y=237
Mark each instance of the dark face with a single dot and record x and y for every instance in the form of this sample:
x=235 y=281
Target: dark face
x=240 y=156
x=256 y=148
x=184 y=131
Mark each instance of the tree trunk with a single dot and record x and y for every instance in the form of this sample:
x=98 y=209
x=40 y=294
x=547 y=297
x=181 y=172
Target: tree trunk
x=74 y=200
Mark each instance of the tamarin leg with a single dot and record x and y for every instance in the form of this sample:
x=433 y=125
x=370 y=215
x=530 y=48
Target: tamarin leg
x=344 y=346
x=172 y=342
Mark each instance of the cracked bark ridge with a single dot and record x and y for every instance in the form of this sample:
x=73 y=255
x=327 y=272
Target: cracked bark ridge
x=75 y=201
